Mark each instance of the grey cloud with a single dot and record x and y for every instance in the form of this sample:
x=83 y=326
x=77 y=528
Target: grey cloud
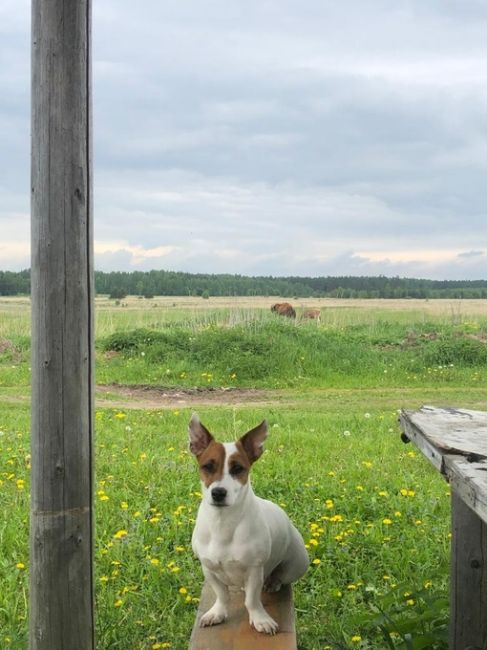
x=470 y=254
x=275 y=137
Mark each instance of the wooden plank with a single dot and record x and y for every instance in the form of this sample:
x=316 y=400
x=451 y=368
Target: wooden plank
x=468 y=582
x=236 y=633
x=450 y=430
x=61 y=560
x=416 y=434
x=469 y=480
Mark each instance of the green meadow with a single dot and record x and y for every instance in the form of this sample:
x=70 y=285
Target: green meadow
x=374 y=514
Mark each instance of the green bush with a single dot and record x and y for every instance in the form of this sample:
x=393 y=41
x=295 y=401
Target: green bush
x=455 y=350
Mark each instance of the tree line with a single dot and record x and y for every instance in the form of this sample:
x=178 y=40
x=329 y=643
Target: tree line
x=118 y=284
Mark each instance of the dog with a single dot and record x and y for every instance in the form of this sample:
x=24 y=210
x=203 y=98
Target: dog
x=240 y=539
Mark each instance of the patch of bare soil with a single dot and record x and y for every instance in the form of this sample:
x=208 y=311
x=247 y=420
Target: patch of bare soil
x=154 y=397
x=6 y=346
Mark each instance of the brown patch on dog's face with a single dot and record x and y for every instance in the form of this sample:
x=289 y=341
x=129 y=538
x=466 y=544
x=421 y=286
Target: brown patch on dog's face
x=239 y=464
x=212 y=463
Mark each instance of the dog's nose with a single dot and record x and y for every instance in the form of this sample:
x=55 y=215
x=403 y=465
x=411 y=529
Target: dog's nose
x=218 y=494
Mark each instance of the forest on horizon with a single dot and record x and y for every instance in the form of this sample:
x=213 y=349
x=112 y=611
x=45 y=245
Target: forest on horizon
x=118 y=284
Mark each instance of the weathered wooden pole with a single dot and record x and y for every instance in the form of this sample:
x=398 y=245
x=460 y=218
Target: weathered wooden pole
x=61 y=564
x=468 y=578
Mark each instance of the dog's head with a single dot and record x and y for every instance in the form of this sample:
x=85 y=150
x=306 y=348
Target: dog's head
x=224 y=467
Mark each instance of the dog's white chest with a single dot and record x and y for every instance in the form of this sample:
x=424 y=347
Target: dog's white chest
x=226 y=553
x=231 y=572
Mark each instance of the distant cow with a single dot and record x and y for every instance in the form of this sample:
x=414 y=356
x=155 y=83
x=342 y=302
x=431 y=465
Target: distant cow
x=312 y=314
x=284 y=309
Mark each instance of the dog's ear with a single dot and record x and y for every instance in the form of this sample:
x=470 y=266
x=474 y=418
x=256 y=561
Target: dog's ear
x=253 y=441
x=199 y=436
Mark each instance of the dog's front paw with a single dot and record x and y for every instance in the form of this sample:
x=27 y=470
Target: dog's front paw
x=263 y=622
x=217 y=614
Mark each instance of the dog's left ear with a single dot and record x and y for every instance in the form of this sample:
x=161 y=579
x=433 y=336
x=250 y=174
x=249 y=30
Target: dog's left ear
x=253 y=441
x=199 y=436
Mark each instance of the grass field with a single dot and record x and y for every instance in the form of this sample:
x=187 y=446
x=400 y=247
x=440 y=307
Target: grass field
x=374 y=514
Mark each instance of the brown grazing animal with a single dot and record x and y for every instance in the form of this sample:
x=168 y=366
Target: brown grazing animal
x=313 y=314
x=284 y=309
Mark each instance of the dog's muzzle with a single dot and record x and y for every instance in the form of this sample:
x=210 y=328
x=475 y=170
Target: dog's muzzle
x=218 y=495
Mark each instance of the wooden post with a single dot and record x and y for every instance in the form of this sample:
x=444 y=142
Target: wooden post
x=61 y=564
x=455 y=442
x=468 y=581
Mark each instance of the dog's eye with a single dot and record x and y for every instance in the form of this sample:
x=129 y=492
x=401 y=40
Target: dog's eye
x=208 y=467
x=236 y=470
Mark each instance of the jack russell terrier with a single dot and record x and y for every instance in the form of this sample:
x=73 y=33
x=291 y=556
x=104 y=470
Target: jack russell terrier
x=241 y=540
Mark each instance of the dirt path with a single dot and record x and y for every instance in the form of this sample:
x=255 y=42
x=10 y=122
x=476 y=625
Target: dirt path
x=150 y=397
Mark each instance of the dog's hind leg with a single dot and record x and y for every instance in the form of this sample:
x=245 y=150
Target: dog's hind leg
x=292 y=567
x=273 y=582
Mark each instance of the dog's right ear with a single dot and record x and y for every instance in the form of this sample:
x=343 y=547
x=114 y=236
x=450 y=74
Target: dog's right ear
x=199 y=436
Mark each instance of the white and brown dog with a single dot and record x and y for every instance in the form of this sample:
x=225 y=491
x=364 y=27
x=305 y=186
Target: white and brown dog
x=241 y=539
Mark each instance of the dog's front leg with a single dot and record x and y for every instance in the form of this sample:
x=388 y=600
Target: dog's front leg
x=219 y=612
x=258 y=617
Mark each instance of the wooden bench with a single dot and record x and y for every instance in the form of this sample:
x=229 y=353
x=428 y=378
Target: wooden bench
x=455 y=442
x=236 y=633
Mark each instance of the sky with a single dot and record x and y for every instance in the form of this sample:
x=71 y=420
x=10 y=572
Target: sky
x=272 y=137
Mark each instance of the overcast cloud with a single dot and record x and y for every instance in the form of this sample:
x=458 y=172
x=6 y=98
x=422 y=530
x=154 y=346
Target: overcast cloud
x=273 y=137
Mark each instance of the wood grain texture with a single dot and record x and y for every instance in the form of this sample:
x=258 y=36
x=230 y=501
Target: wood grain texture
x=61 y=588
x=236 y=633
x=455 y=442
x=452 y=430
